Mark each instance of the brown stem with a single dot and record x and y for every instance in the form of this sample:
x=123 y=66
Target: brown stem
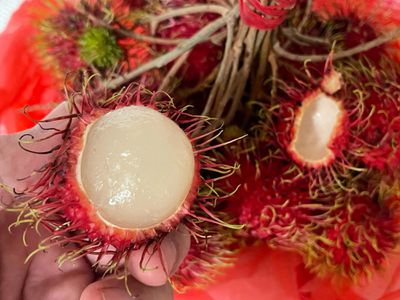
x=201 y=36
x=172 y=72
x=222 y=73
x=339 y=55
x=243 y=74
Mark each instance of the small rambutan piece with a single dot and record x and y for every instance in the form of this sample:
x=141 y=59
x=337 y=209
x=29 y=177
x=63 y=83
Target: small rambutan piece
x=342 y=125
x=127 y=174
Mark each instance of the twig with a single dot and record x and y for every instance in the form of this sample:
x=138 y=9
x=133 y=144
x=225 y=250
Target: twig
x=339 y=55
x=225 y=95
x=243 y=74
x=132 y=34
x=296 y=36
x=185 y=46
x=172 y=72
x=196 y=9
x=222 y=69
x=307 y=14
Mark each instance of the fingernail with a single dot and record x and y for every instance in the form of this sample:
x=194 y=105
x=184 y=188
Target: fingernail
x=169 y=255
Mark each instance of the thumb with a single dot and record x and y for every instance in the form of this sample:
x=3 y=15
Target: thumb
x=21 y=154
x=158 y=266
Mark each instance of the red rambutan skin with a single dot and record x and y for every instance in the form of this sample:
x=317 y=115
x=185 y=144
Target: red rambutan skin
x=361 y=235
x=207 y=258
x=344 y=234
x=272 y=204
x=60 y=34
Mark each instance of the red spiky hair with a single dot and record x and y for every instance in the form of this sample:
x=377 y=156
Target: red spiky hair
x=59 y=204
x=362 y=232
x=208 y=257
x=270 y=202
x=344 y=234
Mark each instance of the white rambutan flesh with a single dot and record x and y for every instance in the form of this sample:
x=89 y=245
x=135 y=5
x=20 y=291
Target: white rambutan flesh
x=137 y=167
x=315 y=128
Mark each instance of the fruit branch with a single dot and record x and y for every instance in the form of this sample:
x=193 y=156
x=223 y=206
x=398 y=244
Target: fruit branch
x=339 y=55
x=201 y=36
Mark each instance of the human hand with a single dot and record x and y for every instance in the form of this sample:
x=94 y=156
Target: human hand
x=41 y=277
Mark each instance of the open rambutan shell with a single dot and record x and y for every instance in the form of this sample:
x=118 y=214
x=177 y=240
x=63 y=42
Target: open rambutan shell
x=126 y=156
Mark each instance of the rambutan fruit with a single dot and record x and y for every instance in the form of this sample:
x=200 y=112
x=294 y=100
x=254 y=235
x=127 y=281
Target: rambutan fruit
x=81 y=36
x=58 y=41
x=340 y=234
x=131 y=169
x=362 y=232
x=273 y=205
x=381 y=15
x=342 y=126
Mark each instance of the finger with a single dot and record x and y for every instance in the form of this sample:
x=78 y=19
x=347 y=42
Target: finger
x=40 y=277
x=17 y=163
x=46 y=280
x=12 y=256
x=114 y=289
x=154 y=268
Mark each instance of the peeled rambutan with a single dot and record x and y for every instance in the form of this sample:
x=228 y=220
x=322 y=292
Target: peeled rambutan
x=126 y=174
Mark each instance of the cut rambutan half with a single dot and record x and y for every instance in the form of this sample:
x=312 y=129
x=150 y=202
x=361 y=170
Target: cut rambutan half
x=342 y=126
x=127 y=174
x=137 y=190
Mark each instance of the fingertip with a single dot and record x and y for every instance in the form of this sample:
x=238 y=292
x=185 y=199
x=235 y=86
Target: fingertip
x=154 y=267
x=147 y=266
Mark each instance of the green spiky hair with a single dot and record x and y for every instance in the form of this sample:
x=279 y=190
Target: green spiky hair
x=98 y=46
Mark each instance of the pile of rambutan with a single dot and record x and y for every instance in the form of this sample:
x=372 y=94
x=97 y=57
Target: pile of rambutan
x=248 y=121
